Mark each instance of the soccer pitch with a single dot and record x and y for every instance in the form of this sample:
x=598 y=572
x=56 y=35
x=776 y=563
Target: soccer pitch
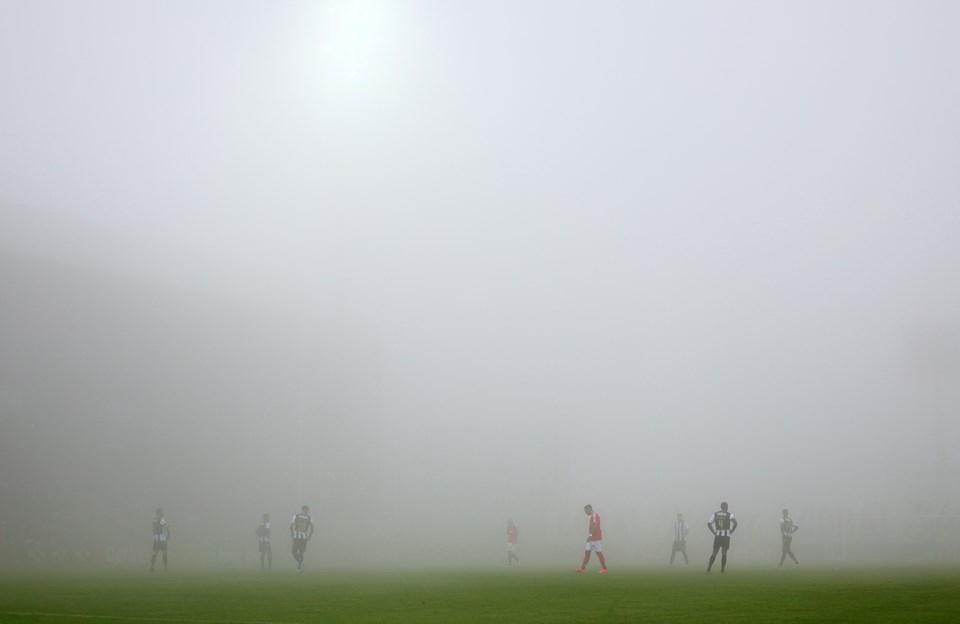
x=815 y=594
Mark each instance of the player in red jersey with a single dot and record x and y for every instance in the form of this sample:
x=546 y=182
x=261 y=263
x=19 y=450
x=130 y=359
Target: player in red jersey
x=513 y=534
x=594 y=541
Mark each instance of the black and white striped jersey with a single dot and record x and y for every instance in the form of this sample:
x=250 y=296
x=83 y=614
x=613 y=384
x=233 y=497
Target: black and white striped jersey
x=301 y=525
x=721 y=521
x=263 y=531
x=161 y=529
x=788 y=527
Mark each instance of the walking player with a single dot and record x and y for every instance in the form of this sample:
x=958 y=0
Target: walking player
x=301 y=530
x=513 y=534
x=594 y=541
x=787 y=528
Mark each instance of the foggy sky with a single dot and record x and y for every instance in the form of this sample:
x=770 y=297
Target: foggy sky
x=435 y=265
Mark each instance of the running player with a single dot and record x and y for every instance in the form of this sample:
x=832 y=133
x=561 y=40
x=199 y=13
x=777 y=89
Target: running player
x=301 y=530
x=161 y=533
x=263 y=533
x=787 y=528
x=594 y=541
x=722 y=524
x=680 y=530
x=513 y=534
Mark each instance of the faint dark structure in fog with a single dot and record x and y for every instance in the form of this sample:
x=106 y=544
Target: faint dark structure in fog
x=931 y=355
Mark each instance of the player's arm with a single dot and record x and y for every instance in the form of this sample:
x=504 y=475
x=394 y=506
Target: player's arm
x=733 y=525
x=794 y=528
x=310 y=531
x=710 y=525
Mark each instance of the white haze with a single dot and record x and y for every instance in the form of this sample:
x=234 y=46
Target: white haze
x=440 y=264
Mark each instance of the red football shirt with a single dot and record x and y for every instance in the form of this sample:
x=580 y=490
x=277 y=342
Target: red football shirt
x=513 y=532
x=595 y=533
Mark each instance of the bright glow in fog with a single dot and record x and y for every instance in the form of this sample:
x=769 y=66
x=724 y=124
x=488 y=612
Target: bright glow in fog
x=350 y=38
x=428 y=267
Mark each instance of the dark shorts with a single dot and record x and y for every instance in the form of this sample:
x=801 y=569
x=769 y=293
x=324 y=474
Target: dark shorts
x=787 y=539
x=265 y=547
x=300 y=545
x=721 y=541
x=158 y=545
x=680 y=546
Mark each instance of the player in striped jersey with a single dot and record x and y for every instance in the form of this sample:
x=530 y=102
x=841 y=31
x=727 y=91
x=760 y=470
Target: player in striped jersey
x=161 y=533
x=722 y=524
x=680 y=530
x=263 y=535
x=594 y=541
x=787 y=528
x=301 y=530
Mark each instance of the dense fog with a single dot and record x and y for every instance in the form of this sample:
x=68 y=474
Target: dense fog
x=428 y=266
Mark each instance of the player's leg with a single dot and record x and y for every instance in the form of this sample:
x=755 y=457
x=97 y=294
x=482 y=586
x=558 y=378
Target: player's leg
x=683 y=551
x=713 y=556
x=270 y=556
x=673 y=552
x=164 y=556
x=603 y=561
x=790 y=553
x=723 y=558
x=153 y=559
x=586 y=559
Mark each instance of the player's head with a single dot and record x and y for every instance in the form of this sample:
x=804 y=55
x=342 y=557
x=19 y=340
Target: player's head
x=305 y=509
x=588 y=509
x=723 y=506
x=679 y=516
x=159 y=512
x=785 y=513
x=266 y=517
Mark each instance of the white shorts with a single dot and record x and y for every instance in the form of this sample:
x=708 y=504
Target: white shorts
x=595 y=546
x=511 y=547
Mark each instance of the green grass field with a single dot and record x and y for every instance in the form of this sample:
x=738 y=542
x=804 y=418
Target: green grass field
x=814 y=594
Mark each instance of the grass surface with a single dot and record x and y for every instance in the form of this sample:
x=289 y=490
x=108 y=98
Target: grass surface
x=517 y=595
